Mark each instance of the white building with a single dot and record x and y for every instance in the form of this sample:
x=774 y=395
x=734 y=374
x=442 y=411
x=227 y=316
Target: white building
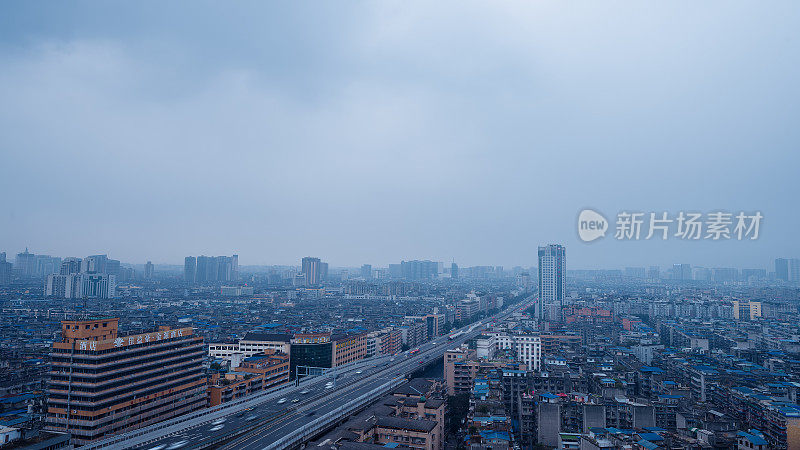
x=81 y=285
x=527 y=348
x=552 y=281
x=252 y=344
x=8 y=434
x=486 y=347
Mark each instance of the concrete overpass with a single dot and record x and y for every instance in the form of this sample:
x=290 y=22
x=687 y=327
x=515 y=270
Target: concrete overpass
x=290 y=415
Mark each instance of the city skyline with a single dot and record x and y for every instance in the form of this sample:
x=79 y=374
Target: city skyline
x=781 y=266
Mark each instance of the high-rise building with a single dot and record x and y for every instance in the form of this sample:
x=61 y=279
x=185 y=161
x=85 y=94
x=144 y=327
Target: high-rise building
x=681 y=271
x=25 y=264
x=103 y=383
x=419 y=270
x=94 y=264
x=654 y=273
x=794 y=270
x=323 y=271
x=5 y=272
x=81 y=285
x=552 y=281
x=524 y=281
x=112 y=267
x=210 y=269
x=148 y=270
x=366 y=271
x=234 y=267
x=454 y=271
x=70 y=266
x=5 y=269
x=189 y=269
x=311 y=269
x=45 y=265
x=782 y=269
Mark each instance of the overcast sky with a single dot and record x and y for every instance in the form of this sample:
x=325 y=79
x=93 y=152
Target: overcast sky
x=379 y=131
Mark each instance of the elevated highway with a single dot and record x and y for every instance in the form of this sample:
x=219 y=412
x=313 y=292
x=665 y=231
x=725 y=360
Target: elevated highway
x=293 y=414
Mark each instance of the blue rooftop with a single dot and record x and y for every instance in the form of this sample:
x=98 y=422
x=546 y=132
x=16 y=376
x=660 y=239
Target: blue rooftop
x=647 y=444
x=754 y=439
x=652 y=437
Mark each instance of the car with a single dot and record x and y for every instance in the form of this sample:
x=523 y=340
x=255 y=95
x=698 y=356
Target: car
x=282 y=401
x=179 y=444
x=328 y=386
x=310 y=413
x=421 y=361
x=216 y=428
x=295 y=400
x=304 y=391
x=358 y=372
x=219 y=421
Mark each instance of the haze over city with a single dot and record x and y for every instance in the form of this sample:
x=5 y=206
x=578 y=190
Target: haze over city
x=440 y=225
x=380 y=132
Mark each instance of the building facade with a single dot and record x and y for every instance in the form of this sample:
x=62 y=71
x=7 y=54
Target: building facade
x=552 y=281
x=103 y=384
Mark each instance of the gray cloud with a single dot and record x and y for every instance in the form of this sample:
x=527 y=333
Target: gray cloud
x=375 y=132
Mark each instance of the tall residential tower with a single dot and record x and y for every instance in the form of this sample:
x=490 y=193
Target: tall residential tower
x=552 y=281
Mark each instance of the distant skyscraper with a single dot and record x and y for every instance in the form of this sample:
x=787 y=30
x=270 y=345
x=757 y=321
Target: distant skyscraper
x=148 y=270
x=311 y=269
x=70 y=266
x=454 y=271
x=112 y=267
x=782 y=269
x=235 y=267
x=206 y=270
x=323 y=271
x=552 y=281
x=81 y=285
x=654 y=273
x=25 y=264
x=189 y=269
x=366 y=271
x=5 y=270
x=210 y=269
x=395 y=270
x=794 y=270
x=682 y=271
x=419 y=270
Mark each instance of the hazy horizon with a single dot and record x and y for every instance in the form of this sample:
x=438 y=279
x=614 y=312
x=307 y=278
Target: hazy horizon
x=375 y=132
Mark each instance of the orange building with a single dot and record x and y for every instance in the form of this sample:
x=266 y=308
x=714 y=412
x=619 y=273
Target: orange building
x=103 y=384
x=348 y=348
x=256 y=373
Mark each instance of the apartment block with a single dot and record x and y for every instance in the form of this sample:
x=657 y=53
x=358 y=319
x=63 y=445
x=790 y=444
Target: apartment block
x=103 y=383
